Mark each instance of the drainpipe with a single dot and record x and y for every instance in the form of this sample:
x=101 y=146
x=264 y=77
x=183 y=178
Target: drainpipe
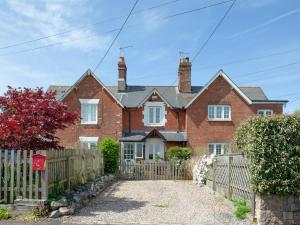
x=129 y=121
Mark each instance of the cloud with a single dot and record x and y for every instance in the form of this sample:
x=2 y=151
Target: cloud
x=33 y=19
x=266 y=23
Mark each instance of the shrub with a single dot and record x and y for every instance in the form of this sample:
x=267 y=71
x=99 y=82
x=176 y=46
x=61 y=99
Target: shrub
x=110 y=150
x=272 y=145
x=4 y=214
x=241 y=208
x=179 y=153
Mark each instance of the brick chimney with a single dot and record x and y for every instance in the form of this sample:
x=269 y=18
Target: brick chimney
x=184 y=76
x=122 y=84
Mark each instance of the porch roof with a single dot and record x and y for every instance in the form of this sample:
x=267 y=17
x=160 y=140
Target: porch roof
x=170 y=136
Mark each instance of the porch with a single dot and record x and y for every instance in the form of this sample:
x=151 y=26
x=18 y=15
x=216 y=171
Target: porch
x=150 y=146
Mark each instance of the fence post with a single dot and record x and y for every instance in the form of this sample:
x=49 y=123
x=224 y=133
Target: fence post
x=214 y=174
x=229 y=177
x=44 y=179
x=68 y=173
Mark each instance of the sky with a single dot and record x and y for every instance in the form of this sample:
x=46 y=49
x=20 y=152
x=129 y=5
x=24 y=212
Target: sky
x=258 y=44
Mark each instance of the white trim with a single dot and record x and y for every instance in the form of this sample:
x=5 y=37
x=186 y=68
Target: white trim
x=163 y=114
x=222 y=113
x=89 y=101
x=264 y=111
x=90 y=73
x=270 y=102
x=233 y=85
x=134 y=150
x=88 y=139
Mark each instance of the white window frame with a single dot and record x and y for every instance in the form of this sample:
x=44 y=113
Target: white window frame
x=215 y=107
x=89 y=102
x=89 y=140
x=134 y=150
x=163 y=113
x=264 y=111
x=215 y=148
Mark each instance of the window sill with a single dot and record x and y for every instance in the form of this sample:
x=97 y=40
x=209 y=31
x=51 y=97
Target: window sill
x=219 y=120
x=89 y=123
x=154 y=125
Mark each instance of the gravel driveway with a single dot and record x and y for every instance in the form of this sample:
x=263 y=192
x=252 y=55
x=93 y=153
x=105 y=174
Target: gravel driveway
x=153 y=202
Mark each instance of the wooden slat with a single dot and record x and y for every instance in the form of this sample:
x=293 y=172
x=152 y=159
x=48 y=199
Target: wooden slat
x=18 y=173
x=24 y=185
x=1 y=162
x=30 y=175
x=12 y=175
x=5 y=175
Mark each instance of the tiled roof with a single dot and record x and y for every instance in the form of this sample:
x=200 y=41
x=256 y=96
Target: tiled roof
x=170 y=136
x=136 y=94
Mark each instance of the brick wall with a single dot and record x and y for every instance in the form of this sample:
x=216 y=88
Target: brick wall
x=109 y=114
x=272 y=209
x=201 y=131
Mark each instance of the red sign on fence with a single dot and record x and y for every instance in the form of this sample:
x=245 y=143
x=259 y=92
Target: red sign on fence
x=38 y=162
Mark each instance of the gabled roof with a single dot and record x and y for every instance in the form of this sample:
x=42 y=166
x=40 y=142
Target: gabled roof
x=135 y=96
x=170 y=136
x=221 y=73
x=87 y=73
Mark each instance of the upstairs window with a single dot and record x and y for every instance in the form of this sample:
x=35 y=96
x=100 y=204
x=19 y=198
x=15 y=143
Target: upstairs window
x=89 y=111
x=219 y=112
x=265 y=112
x=154 y=114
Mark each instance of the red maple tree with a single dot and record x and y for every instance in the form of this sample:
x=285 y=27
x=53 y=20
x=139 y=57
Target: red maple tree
x=29 y=119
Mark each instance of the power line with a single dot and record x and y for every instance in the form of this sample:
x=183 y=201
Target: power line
x=214 y=31
x=128 y=26
x=255 y=58
x=86 y=25
x=116 y=37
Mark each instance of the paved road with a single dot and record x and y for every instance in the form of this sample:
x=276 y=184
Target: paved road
x=153 y=202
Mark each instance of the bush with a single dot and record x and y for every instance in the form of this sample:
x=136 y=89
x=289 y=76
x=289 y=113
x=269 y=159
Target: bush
x=179 y=153
x=272 y=145
x=241 y=208
x=4 y=214
x=110 y=150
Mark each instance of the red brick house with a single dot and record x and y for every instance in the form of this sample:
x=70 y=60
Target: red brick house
x=147 y=120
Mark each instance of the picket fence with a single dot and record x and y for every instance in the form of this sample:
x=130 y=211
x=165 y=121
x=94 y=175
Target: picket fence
x=230 y=176
x=64 y=169
x=158 y=170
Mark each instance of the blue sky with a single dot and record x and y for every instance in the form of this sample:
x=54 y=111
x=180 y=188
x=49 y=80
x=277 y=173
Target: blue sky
x=266 y=30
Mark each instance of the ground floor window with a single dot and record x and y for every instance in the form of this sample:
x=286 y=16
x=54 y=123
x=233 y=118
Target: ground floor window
x=155 y=151
x=216 y=148
x=133 y=150
x=88 y=142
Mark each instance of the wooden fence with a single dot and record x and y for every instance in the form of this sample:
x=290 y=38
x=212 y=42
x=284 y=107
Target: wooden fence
x=64 y=169
x=230 y=176
x=160 y=170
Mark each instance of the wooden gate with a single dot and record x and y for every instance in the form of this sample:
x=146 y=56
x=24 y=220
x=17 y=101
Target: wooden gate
x=158 y=170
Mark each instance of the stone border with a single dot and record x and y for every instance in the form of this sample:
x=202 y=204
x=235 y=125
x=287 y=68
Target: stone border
x=79 y=197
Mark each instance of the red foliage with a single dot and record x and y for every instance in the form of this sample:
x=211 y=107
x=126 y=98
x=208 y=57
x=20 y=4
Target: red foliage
x=30 y=118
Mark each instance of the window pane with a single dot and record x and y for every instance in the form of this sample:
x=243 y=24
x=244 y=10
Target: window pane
x=218 y=149
x=93 y=145
x=211 y=148
x=219 y=112
x=128 y=151
x=139 y=150
x=226 y=112
x=269 y=113
x=211 y=112
x=93 y=112
x=85 y=112
x=157 y=114
x=261 y=113
x=151 y=152
x=151 y=115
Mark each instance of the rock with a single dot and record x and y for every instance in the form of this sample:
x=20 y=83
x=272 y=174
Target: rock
x=54 y=214
x=111 y=177
x=65 y=211
x=60 y=203
x=77 y=198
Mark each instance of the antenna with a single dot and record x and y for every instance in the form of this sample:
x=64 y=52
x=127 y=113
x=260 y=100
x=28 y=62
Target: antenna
x=183 y=54
x=124 y=47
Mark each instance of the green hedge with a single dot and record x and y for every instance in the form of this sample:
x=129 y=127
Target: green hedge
x=179 y=153
x=110 y=149
x=272 y=145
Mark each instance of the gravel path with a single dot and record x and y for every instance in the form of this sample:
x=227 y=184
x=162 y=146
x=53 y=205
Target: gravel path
x=153 y=202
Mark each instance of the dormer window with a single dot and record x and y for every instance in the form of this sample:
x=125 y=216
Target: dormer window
x=89 y=111
x=154 y=114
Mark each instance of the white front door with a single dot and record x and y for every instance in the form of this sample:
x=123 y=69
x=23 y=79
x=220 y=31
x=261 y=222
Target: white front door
x=155 y=149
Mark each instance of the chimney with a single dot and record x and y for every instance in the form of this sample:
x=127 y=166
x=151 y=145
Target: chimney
x=122 y=74
x=184 y=76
